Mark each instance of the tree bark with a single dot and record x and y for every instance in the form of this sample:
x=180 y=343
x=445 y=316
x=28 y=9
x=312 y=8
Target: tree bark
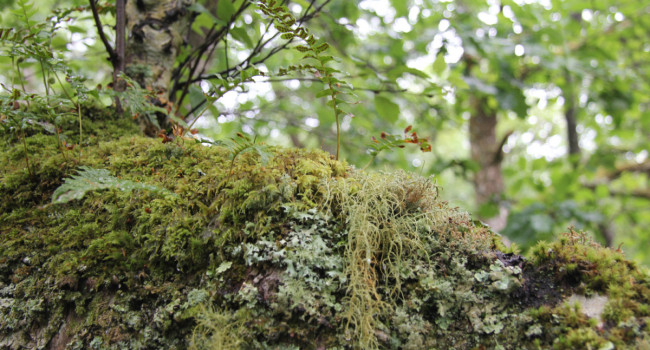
x=157 y=30
x=572 y=133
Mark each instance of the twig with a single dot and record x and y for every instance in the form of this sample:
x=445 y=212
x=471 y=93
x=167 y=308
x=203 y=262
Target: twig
x=100 y=30
x=261 y=44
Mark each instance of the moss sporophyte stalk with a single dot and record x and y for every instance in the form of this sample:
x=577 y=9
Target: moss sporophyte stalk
x=178 y=245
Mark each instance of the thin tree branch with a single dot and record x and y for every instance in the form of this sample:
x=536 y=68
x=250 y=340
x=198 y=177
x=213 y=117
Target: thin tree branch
x=178 y=71
x=119 y=64
x=242 y=65
x=246 y=63
x=630 y=168
x=194 y=58
x=120 y=34
x=498 y=154
x=100 y=30
x=368 y=89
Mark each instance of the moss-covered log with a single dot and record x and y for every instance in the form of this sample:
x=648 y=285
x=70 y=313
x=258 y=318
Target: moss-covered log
x=292 y=250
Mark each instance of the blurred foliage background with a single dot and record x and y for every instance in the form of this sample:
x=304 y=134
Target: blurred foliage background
x=537 y=111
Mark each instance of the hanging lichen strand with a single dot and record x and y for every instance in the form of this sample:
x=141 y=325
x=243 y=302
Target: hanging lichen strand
x=386 y=217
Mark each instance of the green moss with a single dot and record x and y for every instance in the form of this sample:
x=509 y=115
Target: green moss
x=219 y=330
x=298 y=251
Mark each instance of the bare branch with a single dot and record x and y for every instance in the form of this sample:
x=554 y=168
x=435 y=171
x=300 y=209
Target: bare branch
x=498 y=153
x=100 y=30
x=248 y=61
x=193 y=60
x=120 y=34
x=630 y=168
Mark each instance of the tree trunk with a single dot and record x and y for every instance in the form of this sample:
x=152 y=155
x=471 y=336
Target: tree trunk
x=486 y=151
x=157 y=29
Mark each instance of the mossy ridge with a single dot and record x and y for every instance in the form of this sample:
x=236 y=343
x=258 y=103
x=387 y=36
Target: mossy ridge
x=283 y=248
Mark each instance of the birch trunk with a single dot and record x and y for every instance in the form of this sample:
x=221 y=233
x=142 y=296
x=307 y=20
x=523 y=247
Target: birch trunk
x=157 y=30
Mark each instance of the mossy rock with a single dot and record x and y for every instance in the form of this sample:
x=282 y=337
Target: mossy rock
x=297 y=251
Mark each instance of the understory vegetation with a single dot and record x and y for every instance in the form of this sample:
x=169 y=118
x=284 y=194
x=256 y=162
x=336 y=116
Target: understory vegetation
x=179 y=244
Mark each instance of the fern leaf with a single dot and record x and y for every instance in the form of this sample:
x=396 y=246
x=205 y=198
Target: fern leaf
x=91 y=179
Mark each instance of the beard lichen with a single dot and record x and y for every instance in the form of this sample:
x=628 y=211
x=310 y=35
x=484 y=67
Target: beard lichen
x=385 y=216
x=300 y=251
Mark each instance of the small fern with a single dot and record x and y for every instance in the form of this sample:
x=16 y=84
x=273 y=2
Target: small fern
x=314 y=51
x=91 y=179
x=137 y=101
x=29 y=43
x=242 y=144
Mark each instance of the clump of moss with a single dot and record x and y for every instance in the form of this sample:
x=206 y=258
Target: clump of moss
x=219 y=330
x=577 y=264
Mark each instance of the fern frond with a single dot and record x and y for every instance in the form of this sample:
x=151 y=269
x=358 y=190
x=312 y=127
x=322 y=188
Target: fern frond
x=314 y=50
x=137 y=100
x=91 y=179
x=242 y=144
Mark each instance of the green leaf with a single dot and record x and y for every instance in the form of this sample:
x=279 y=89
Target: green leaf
x=241 y=35
x=225 y=10
x=196 y=96
x=77 y=29
x=512 y=98
x=323 y=93
x=399 y=71
x=386 y=108
x=91 y=179
x=204 y=14
x=439 y=65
